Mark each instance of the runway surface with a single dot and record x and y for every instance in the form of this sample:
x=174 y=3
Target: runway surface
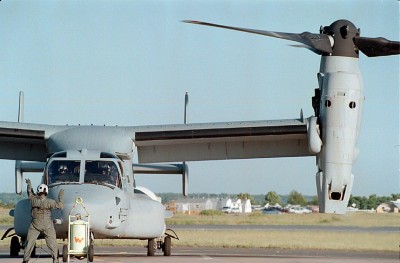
x=288 y=228
x=276 y=228
x=232 y=255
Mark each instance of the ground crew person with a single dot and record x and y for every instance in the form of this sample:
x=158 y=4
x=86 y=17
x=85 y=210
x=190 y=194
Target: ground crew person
x=41 y=220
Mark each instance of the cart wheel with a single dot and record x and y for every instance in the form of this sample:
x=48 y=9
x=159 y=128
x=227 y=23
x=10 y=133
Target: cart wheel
x=65 y=253
x=151 y=247
x=14 y=246
x=90 y=253
x=167 y=246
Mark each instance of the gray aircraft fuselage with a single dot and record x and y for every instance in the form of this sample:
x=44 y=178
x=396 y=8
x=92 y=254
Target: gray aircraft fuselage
x=116 y=210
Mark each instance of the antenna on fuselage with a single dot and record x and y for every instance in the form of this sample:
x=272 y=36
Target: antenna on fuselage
x=18 y=164
x=185 y=172
x=24 y=166
x=185 y=108
x=21 y=107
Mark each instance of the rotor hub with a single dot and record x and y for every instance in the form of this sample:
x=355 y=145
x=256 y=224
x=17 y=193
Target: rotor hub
x=343 y=33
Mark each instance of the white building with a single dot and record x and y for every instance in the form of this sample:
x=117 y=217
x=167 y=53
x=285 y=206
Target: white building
x=193 y=205
x=246 y=206
x=234 y=205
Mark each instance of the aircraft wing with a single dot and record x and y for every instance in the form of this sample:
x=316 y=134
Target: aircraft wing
x=220 y=141
x=160 y=143
x=24 y=141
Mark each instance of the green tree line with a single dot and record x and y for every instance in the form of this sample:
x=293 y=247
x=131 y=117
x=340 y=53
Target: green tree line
x=372 y=201
x=360 y=202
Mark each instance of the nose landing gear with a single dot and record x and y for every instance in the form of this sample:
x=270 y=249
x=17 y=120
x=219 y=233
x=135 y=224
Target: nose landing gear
x=160 y=244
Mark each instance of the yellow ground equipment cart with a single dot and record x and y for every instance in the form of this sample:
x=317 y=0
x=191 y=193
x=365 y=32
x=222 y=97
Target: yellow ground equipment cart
x=80 y=243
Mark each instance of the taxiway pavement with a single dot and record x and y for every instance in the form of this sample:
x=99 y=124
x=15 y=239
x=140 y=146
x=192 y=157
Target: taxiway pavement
x=231 y=255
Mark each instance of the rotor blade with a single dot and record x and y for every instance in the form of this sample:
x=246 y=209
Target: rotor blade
x=318 y=42
x=307 y=47
x=375 y=47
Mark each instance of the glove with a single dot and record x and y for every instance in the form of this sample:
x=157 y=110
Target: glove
x=28 y=181
x=60 y=194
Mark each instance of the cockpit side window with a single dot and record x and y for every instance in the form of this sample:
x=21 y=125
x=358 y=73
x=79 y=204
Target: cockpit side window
x=61 y=171
x=102 y=172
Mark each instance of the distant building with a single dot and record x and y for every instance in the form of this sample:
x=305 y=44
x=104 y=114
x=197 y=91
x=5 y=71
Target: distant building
x=193 y=205
x=196 y=205
x=170 y=206
x=246 y=206
x=223 y=202
x=389 y=207
x=234 y=205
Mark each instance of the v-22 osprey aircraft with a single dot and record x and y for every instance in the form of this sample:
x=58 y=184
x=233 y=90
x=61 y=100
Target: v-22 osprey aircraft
x=95 y=162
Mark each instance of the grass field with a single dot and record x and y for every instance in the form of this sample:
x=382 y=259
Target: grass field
x=5 y=219
x=277 y=239
x=349 y=219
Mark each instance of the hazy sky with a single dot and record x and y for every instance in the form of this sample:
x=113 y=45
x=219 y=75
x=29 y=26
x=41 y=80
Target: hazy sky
x=131 y=62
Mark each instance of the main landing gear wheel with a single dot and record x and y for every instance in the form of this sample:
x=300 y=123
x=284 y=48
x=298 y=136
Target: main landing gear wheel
x=167 y=246
x=14 y=246
x=151 y=247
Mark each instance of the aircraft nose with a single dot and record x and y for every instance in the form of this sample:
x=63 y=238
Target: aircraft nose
x=91 y=195
x=94 y=200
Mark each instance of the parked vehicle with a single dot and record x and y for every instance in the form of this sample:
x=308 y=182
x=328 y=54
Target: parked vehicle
x=274 y=210
x=226 y=209
x=235 y=210
x=299 y=210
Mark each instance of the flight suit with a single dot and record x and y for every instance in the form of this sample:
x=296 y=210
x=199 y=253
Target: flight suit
x=42 y=222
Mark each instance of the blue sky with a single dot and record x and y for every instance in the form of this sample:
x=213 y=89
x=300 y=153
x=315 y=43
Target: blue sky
x=131 y=62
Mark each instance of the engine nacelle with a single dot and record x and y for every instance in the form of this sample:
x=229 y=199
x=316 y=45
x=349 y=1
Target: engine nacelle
x=313 y=135
x=333 y=201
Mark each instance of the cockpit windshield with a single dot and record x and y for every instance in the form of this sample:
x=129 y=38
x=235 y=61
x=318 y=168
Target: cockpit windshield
x=102 y=172
x=61 y=171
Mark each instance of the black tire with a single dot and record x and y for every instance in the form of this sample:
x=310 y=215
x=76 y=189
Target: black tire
x=151 y=247
x=14 y=246
x=90 y=253
x=167 y=246
x=65 y=253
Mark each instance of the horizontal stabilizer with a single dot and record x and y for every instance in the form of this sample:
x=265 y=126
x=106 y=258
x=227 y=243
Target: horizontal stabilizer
x=165 y=169
x=157 y=168
x=22 y=167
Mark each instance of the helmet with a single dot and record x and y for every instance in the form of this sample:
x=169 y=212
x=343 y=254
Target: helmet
x=63 y=169
x=105 y=168
x=42 y=189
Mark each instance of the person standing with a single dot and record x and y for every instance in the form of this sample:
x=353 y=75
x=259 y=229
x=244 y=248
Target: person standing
x=41 y=220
